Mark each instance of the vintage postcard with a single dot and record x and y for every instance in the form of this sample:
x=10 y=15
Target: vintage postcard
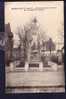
x=34 y=47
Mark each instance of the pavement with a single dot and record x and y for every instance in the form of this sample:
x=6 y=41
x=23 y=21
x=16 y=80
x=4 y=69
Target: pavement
x=47 y=77
x=49 y=74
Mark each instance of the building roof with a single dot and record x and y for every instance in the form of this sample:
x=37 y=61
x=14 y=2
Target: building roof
x=8 y=30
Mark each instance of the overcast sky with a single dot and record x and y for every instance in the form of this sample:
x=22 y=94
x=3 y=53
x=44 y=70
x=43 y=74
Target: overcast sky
x=49 y=15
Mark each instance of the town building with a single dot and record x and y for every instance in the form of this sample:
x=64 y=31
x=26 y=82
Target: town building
x=8 y=44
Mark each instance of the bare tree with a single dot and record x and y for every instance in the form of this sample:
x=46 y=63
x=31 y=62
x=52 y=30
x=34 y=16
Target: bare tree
x=22 y=46
x=61 y=31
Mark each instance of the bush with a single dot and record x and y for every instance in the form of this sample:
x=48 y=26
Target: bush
x=57 y=58
x=54 y=58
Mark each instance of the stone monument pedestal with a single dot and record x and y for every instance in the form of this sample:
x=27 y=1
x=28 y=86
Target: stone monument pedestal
x=40 y=66
x=54 y=67
x=11 y=66
x=26 y=66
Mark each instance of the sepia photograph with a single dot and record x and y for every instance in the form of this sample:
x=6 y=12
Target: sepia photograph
x=34 y=47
